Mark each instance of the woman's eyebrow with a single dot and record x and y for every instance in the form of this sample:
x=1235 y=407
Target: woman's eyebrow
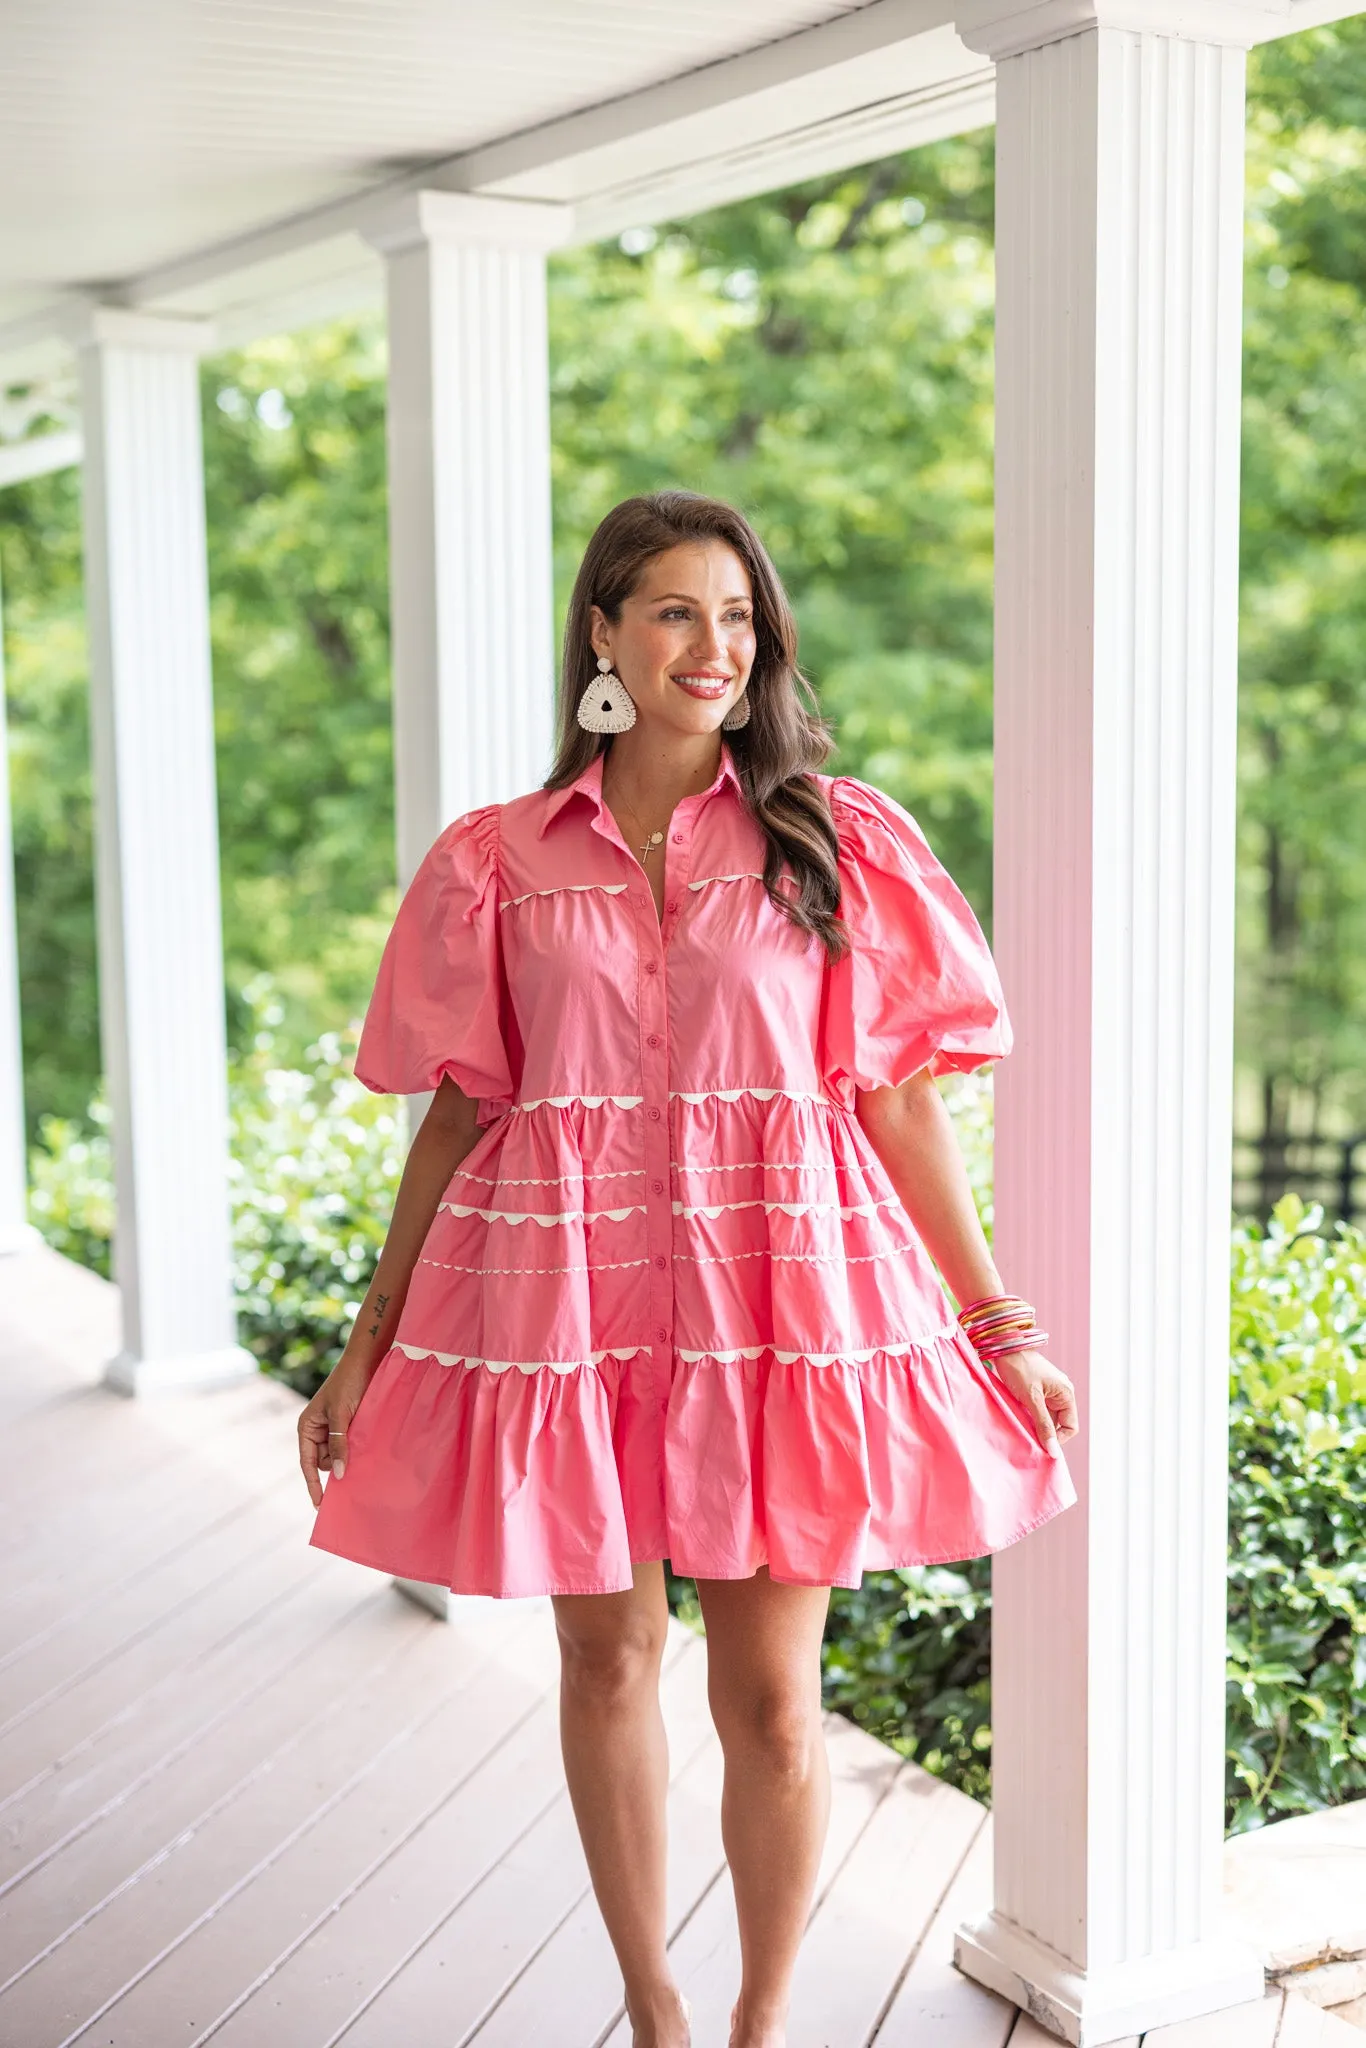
x=664 y=595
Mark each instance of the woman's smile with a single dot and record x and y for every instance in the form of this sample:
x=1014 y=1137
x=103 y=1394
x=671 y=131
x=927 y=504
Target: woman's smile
x=705 y=685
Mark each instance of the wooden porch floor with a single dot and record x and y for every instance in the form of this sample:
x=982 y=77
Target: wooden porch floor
x=250 y=1794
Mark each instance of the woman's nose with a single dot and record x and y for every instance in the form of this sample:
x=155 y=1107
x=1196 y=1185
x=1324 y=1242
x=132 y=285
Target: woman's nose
x=709 y=642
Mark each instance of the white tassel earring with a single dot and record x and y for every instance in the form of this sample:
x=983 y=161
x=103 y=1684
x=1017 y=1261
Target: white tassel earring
x=738 y=714
x=606 y=704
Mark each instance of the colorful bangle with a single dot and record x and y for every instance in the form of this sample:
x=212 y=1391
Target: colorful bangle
x=1000 y=1324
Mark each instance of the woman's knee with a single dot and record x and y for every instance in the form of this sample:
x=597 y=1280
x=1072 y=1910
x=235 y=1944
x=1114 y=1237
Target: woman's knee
x=607 y=1664
x=775 y=1725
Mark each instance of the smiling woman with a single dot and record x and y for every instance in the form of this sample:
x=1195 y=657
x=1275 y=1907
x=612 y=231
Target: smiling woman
x=661 y=1278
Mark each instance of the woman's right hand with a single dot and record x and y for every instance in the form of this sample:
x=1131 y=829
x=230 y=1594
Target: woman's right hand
x=326 y=1421
x=447 y=1132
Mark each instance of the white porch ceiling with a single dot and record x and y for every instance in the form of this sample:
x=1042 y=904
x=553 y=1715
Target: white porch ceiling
x=207 y=156
x=214 y=157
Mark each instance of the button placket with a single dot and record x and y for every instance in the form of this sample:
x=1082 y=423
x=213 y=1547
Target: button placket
x=651 y=986
x=654 y=1058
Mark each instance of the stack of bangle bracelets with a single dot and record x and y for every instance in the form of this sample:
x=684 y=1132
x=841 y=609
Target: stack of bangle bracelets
x=1000 y=1324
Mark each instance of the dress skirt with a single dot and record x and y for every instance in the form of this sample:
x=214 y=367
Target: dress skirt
x=531 y=1432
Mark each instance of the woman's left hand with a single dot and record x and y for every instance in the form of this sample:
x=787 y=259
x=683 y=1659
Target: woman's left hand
x=1045 y=1391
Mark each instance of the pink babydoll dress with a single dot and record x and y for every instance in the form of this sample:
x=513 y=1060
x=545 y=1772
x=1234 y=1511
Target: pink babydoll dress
x=670 y=1306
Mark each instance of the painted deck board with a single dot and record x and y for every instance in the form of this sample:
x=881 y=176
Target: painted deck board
x=934 y=2002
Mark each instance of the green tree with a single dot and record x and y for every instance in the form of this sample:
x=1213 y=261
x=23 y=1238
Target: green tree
x=1302 y=854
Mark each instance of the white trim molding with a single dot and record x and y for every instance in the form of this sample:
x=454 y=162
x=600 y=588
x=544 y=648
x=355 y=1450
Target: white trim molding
x=465 y=220
x=156 y=844
x=1119 y=253
x=1004 y=28
x=40 y=455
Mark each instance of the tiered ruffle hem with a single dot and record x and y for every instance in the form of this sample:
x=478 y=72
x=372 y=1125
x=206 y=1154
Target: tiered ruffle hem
x=813 y=1407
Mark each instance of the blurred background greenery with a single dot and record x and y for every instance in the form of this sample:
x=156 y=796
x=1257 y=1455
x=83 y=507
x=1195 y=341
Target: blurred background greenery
x=823 y=356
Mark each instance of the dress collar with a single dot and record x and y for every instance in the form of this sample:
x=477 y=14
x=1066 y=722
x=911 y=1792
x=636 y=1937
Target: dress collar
x=589 y=784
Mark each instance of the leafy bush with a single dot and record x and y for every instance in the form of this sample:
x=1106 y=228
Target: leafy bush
x=1297 y=1517
x=71 y=1187
x=317 y=1160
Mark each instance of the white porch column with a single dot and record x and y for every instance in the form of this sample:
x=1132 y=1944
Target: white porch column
x=16 y=1232
x=1119 y=253
x=156 y=819
x=470 y=574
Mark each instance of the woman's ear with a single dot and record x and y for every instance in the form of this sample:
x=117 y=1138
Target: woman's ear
x=598 y=630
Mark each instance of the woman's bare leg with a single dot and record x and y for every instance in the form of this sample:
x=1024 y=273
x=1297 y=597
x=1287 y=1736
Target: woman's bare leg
x=764 y=1681
x=616 y=1762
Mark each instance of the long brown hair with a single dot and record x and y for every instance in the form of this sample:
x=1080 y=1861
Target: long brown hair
x=785 y=739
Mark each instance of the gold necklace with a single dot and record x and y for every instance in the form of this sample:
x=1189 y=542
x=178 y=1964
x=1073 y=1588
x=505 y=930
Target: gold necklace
x=652 y=839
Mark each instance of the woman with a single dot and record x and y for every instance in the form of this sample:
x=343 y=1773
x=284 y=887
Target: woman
x=658 y=1280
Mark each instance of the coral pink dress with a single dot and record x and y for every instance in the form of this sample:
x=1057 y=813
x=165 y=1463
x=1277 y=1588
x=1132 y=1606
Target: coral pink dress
x=670 y=1306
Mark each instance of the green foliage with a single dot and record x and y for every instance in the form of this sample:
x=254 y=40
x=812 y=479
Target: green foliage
x=49 y=764
x=1302 y=826
x=71 y=1187
x=316 y=1165
x=1297 y=1513
x=908 y=1657
x=295 y=477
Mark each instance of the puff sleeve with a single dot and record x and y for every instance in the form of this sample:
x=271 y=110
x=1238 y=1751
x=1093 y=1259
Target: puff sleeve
x=918 y=987
x=437 y=1001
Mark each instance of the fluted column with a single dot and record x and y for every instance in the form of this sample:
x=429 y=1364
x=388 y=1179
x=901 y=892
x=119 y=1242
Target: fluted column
x=1119 y=247
x=16 y=1232
x=470 y=574
x=156 y=847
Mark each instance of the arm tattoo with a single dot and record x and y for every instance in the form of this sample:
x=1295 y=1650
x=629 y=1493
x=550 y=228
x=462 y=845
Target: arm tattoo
x=381 y=1303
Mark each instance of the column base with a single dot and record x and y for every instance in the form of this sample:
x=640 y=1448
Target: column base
x=187 y=1373
x=1090 y=2007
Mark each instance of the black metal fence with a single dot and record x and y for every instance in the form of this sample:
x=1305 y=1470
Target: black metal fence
x=1327 y=1170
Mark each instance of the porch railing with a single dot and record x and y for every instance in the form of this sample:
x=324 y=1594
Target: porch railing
x=1327 y=1170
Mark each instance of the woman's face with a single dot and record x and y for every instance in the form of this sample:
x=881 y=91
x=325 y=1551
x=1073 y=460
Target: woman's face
x=684 y=644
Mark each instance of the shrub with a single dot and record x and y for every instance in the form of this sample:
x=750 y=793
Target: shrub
x=1297 y=1517
x=316 y=1160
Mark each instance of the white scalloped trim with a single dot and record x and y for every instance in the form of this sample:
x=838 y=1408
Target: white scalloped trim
x=745 y=875
x=551 y=1180
x=759 y=1094
x=901 y=1349
x=588 y=1101
x=775 y=1166
x=794 y=1258
x=713 y=1209
x=537 y=1272
x=526 y=1365
x=565 y=889
x=533 y=1216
